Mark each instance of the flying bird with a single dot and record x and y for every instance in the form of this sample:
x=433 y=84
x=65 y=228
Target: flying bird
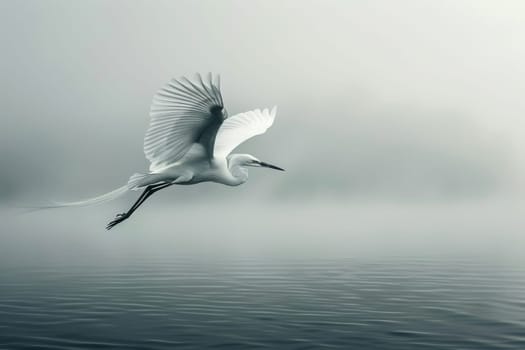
x=189 y=140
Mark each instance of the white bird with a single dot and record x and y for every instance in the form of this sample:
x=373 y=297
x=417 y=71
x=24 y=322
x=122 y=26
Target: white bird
x=189 y=141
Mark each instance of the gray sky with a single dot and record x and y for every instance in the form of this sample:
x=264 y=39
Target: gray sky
x=400 y=125
x=405 y=100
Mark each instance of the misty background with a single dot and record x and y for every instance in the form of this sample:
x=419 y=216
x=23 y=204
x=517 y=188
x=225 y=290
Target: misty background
x=400 y=126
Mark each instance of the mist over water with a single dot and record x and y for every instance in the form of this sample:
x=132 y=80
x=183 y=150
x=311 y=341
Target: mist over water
x=217 y=275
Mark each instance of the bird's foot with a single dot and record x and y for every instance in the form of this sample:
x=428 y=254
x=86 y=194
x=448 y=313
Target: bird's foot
x=118 y=219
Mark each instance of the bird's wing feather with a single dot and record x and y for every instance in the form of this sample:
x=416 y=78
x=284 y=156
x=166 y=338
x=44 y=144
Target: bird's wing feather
x=240 y=127
x=182 y=113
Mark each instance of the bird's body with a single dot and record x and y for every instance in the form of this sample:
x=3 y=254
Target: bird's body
x=189 y=141
x=196 y=169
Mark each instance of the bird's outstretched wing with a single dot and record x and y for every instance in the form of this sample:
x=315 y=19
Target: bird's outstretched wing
x=240 y=127
x=183 y=113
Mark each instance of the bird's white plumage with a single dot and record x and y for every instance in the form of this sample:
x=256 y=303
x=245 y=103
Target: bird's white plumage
x=239 y=128
x=182 y=113
x=189 y=141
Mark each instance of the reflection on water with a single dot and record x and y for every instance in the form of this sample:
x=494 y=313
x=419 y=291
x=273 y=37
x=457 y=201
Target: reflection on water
x=398 y=304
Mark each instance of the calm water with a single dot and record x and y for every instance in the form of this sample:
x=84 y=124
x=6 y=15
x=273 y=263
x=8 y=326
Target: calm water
x=396 y=304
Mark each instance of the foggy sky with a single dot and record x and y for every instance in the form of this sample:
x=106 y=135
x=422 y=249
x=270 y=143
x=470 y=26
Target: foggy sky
x=377 y=99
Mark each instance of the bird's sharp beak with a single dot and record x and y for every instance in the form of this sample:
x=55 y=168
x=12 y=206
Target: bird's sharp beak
x=266 y=165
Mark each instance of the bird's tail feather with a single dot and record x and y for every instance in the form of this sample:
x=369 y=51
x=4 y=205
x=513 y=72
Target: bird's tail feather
x=133 y=183
x=106 y=197
x=96 y=200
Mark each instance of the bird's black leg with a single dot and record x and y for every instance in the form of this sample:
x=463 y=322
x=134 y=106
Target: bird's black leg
x=137 y=203
x=121 y=217
x=147 y=192
x=145 y=195
x=153 y=189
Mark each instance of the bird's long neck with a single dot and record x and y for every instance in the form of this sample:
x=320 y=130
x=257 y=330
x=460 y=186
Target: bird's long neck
x=238 y=172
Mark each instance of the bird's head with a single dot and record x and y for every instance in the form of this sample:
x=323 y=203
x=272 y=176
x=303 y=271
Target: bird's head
x=249 y=160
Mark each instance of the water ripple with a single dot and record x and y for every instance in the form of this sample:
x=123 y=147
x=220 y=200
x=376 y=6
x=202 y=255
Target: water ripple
x=256 y=304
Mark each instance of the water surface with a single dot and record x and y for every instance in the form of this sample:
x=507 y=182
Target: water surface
x=250 y=303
